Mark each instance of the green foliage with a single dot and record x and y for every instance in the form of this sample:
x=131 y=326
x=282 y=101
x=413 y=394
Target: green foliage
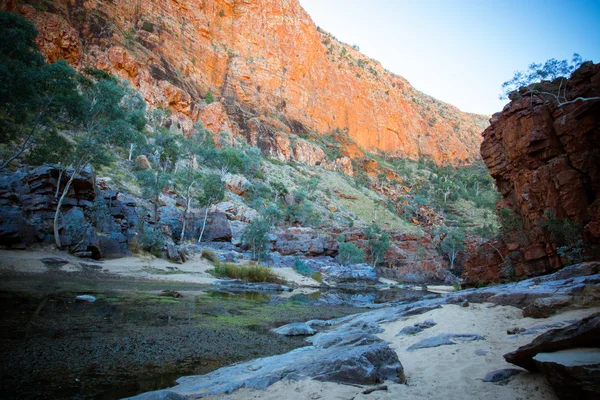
x=567 y=236
x=252 y=273
x=377 y=243
x=300 y=211
x=348 y=253
x=272 y=213
x=35 y=97
x=152 y=183
x=212 y=190
x=167 y=146
x=451 y=245
x=258 y=195
x=554 y=71
x=210 y=97
x=99 y=74
x=508 y=270
x=512 y=226
x=301 y=267
x=311 y=184
x=317 y=276
x=244 y=161
x=255 y=236
x=50 y=148
x=147 y=26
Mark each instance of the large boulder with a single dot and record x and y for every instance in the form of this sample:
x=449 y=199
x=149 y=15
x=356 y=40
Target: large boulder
x=445 y=339
x=350 y=275
x=237 y=184
x=351 y=357
x=217 y=228
x=584 y=333
x=574 y=374
x=545 y=307
x=304 y=241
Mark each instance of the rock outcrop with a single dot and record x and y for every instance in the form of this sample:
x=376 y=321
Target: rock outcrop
x=346 y=356
x=544 y=158
x=584 y=333
x=573 y=374
x=270 y=70
x=95 y=223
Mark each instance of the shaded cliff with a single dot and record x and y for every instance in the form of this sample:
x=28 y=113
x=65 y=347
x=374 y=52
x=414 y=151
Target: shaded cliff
x=269 y=68
x=546 y=162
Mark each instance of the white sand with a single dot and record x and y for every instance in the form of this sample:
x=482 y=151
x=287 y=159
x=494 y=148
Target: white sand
x=445 y=372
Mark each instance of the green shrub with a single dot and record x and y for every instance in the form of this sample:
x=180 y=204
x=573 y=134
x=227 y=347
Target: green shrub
x=348 y=254
x=317 y=277
x=210 y=97
x=147 y=26
x=255 y=237
x=378 y=243
x=251 y=273
x=567 y=236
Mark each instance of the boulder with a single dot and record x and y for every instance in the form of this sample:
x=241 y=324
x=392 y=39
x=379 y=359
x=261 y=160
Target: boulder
x=353 y=357
x=217 y=228
x=410 y=330
x=142 y=163
x=501 y=375
x=584 y=333
x=428 y=323
x=545 y=307
x=295 y=329
x=304 y=241
x=445 y=339
x=350 y=275
x=175 y=253
x=573 y=373
x=577 y=283
x=237 y=184
x=113 y=245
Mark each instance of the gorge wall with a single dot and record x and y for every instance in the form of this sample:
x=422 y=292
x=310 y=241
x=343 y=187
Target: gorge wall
x=545 y=159
x=270 y=69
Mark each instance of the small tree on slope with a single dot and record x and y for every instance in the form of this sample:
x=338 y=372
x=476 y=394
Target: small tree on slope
x=548 y=80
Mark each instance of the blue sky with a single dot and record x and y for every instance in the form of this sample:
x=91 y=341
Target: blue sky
x=461 y=51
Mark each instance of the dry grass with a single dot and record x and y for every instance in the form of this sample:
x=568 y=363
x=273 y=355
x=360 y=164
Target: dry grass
x=249 y=273
x=210 y=255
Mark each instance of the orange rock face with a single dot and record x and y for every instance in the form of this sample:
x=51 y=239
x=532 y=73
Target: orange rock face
x=267 y=65
x=546 y=158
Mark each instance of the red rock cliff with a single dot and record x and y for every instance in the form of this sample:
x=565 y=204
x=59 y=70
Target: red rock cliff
x=269 y=67
x=544 y=158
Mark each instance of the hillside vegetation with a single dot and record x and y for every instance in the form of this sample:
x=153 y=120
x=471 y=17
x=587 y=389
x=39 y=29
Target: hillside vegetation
x=52 y=114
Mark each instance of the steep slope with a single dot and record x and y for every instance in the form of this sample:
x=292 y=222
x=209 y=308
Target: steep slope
x=266 y=63
x=544 y=159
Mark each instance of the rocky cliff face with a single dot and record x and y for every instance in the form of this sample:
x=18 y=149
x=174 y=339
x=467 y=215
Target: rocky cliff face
x=545 y=160
x=270 y=69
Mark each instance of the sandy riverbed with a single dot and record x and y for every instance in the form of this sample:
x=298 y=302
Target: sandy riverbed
x=445 y=372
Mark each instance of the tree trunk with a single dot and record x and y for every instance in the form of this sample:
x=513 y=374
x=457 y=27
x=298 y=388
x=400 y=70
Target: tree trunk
x=131 y=147
x=183 y=224
x=60 y=174
x=204 y=223
x=58 y=206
